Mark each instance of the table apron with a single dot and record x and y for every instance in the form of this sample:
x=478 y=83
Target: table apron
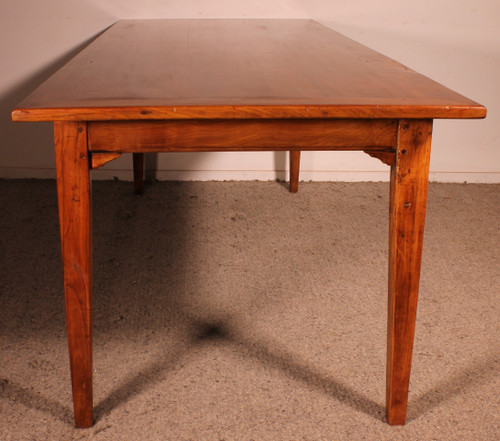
x=243 y=135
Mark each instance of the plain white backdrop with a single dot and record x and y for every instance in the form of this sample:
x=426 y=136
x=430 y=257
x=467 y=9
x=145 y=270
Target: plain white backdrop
x=455 y=42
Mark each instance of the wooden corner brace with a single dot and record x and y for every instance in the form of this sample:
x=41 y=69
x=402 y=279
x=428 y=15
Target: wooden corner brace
x=387 y=156
x=99 y=159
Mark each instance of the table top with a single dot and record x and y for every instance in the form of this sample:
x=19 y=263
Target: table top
x=170 y=69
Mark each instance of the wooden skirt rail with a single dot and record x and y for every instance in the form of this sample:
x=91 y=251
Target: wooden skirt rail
x=217 y=135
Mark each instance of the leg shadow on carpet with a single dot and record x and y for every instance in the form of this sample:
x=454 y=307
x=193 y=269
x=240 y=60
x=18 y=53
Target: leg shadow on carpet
x=221 y=333
x=467 y=378
x=34 y=400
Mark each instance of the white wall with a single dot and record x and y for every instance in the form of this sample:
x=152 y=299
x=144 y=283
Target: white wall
x=456 y=42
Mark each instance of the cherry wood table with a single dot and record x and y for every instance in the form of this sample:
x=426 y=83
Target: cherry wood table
x=245 y=85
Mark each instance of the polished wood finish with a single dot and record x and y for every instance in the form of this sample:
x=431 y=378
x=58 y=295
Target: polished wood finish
x=148 y=113
x=408 y=199
x=224 y=85
x=206 y=69
x=73 y=190
x=220 y=135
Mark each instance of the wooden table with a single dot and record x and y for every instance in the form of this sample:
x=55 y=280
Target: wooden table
x=226 y=85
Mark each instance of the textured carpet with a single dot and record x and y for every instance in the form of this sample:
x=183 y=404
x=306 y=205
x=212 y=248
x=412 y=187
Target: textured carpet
x=239 y=311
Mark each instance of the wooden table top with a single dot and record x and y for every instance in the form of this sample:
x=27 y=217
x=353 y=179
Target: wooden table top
x=170 y=69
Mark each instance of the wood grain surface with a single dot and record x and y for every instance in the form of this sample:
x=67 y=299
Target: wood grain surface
x=407 y=206
x=247 y=135
x=176 y=69
x=73 y=190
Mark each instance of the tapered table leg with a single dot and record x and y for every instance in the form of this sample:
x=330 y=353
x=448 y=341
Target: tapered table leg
x=294 y=170
x=138 y=160
x=73 y=189
x=408 y=198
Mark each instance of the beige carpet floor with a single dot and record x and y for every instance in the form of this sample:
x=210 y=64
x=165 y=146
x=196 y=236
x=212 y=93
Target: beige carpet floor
x=238 y=311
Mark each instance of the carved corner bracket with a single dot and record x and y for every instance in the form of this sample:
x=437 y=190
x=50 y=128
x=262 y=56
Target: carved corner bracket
x=99 y=159
x=387 y=156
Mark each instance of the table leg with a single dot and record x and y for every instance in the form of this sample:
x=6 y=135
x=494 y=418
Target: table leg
x=73 y=190
x=138 y=160
x=408 y=198
x=294 y=170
